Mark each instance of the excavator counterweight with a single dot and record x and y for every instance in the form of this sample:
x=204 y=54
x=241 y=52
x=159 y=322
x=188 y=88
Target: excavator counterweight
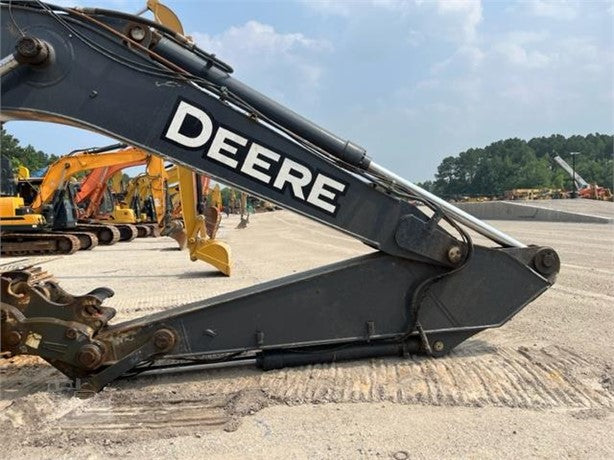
x=425 y=289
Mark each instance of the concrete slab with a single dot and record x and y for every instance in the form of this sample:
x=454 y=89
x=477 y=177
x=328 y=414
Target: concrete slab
x=579 y=212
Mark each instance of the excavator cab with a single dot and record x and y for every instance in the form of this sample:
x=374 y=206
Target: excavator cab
x=61 y=212
x=14 y=213
x=24 y=231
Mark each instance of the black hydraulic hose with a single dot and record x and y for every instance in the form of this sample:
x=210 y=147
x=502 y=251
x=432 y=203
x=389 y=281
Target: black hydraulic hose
x=344 y=150
x=106 y=148
x=178 y=37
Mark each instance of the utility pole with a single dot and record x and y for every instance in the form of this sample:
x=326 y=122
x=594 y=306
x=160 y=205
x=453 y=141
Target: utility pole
x=574 y=194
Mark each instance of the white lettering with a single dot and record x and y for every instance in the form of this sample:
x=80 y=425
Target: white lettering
x=254 y=157
x=318 y=192
x=258 y=159
x=183 y=110
x=219 y=145
x=296 y=182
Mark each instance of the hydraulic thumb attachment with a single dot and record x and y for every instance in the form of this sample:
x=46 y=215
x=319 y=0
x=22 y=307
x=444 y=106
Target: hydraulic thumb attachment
x=425 y=289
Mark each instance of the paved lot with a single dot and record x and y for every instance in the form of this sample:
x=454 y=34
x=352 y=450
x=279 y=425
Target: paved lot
x=540 y=386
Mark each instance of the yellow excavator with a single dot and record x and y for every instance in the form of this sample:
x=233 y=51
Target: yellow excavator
x=97 y=201
x=146 y=196
x=200 y=231
x=24 y=231
x=57 y=181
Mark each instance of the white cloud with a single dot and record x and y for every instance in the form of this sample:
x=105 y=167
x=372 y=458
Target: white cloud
x=468 y=12
x=255 y=38
x=554 y=9
x=259 y=52
x=518 y=55
x=519 y=49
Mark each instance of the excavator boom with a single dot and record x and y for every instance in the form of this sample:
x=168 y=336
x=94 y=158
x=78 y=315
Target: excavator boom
x=426 y=288
x=69 y=165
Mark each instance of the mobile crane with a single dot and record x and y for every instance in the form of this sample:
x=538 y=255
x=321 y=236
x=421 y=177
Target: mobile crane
x=425 y=289
x=584 y=189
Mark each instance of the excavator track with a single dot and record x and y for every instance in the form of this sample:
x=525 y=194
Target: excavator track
x=106 y=234
x=87 y=240
x=127 y=232
x=28 y=244
x=144 y=230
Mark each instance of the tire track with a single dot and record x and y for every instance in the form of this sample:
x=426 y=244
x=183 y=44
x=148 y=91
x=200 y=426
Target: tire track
x=528 y=378
x=145 y=415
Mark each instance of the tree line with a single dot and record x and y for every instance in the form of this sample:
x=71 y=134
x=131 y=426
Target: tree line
x=26 y=156
x=515 y=163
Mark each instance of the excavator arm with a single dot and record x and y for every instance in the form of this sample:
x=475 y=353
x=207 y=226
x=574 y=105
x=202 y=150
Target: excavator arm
x=69 y=165
x=94 y=186
x=425 y=289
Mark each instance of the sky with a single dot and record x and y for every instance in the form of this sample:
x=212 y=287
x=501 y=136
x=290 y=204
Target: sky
x=411 y=81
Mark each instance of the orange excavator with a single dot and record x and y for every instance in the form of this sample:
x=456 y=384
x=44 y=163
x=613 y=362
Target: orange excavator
x=95 y=199
x=58 y=181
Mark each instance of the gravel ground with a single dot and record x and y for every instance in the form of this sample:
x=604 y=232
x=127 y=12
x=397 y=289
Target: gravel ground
x=541 y=386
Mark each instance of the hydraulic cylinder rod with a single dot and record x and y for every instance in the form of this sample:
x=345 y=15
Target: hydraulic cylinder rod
x=458 y=214
x=7 y=64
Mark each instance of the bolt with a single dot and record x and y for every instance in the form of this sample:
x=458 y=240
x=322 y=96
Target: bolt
x=29 y=47
x=13 y=338
x=93 y=94
x=137 y=34
x=31 y=50
x=164 y=340
x=438 y=345
x=548 y=260
x=89 y=356
x=455 y=254
x=71 y=333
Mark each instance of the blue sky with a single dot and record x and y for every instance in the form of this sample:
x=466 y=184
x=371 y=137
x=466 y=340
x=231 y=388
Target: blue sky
x=412 y=81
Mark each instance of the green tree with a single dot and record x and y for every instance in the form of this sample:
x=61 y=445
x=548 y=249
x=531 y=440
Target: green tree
x=27 y=156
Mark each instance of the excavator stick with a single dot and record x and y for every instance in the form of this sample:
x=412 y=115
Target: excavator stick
x=425 y=289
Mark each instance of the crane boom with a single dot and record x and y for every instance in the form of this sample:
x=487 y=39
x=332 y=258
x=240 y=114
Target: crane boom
x=580 y=182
